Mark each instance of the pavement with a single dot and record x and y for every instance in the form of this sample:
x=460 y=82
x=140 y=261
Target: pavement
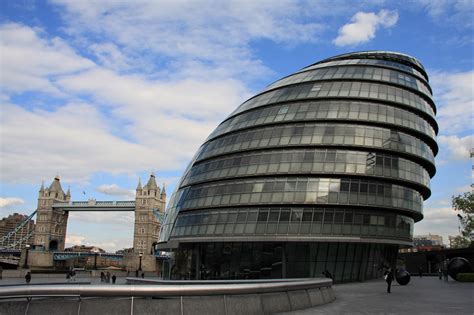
x=427 y=295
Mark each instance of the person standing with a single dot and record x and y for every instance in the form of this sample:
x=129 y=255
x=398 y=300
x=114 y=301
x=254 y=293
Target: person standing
x=114 y=278
x=28 y=277
x=388 y=278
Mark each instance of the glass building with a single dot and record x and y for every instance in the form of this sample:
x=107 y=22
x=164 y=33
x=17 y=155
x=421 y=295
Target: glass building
x=324 y=170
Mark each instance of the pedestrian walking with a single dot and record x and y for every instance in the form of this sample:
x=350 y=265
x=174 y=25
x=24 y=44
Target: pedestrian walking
x=440 y=273
x=107 y=277
x=445 y=274
x=28 y=277
x=114 y=278
x=143 y=275
x=388 y=276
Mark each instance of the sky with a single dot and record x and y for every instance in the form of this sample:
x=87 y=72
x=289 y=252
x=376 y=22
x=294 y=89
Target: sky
x=103 y=93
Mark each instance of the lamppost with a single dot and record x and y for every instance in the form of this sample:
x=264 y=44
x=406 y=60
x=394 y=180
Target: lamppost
x=25 y=265
x=140 y=263
x=95 y=261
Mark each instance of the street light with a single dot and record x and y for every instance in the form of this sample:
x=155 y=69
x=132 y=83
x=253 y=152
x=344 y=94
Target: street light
x=95 y=261
x=140 y=263
x=25 y=265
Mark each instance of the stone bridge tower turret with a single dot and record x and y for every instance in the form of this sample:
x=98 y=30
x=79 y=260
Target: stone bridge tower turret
x=51 y=224
x=150 y=200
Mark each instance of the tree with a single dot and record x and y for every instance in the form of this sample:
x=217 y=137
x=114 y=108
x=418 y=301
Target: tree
x=460 y=242
x=464 y=205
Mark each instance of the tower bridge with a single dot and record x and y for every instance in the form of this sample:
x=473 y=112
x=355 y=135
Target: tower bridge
x=52 y=215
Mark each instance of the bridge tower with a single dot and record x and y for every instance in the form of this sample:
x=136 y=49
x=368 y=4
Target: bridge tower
x=148 y=199
x=51 y=224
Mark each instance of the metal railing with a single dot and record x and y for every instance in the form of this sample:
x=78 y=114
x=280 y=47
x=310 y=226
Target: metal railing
x=171 y=290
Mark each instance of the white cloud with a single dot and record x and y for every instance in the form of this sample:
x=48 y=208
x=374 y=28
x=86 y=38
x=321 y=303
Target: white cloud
x=108 y=245
x=110 y=56
x=74 y=140
x=363 y=27
x=458 y=148
x=439 y=213
x=30 y=62
x=439 y=216
x=463 y=189
x=118 y=218
x=206 y=34
x=115 y=190
x=10 y=201
x=439 y=219
x=457 y=12
x=197 y=99
x=124 y=125
x=454 y=95
x=72 y=240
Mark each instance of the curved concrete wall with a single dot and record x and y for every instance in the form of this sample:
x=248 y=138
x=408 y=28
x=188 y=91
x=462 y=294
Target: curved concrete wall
x=253 y=297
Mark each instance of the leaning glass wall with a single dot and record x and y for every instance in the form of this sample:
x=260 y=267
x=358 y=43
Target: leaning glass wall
x=324 y=170
x=344 y=261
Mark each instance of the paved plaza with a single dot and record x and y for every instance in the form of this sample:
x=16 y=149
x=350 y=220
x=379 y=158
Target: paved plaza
x=427 y=295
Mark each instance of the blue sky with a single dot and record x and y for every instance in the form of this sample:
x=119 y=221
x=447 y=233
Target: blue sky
x=105 y=92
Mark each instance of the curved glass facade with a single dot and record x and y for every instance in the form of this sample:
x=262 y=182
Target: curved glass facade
x=366 y=73
x=325 y=170
x=308 y=161
x=320 y=135
x=327 y=110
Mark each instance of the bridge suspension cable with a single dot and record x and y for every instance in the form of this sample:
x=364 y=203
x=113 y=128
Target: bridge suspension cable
x=5 y=241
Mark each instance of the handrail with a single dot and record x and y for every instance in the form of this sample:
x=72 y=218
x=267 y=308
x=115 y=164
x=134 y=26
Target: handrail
x=163 y=291
x=138 y=280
